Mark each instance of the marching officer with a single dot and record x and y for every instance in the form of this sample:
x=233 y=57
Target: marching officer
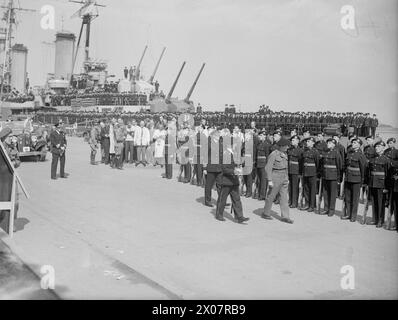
x=213 y=167
x=58 y=147
x=309 y=168
x=263 y=150
x=248 y=151
x=228 y=183
x=169 y=150
x=197 y=140
x=331 y=165
x=277 y=173
x=377 y=177
x=294 y=156
x=393 y=184
x=355 y=170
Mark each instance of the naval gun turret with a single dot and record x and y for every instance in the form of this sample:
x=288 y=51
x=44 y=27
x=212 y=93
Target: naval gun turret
x=186 y=105
x=166 y=104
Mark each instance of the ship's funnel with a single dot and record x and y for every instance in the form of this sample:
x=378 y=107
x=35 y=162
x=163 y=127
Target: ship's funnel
x=194 y=84
x=175 y=83
x=64 y=49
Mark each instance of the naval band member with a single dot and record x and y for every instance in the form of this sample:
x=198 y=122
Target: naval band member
x=355 y=170
x=294 y=157
x=331 y=165
x=310 y=168
x=377 y=177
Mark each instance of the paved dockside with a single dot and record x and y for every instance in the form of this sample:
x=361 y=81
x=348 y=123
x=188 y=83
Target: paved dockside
x=131 y=234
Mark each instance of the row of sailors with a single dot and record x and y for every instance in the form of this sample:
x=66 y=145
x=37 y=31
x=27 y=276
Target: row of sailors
x=315 y=164
x=359 y=124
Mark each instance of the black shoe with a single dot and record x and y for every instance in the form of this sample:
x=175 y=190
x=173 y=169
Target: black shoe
x=311 y=210
x=261 y=199
x=293 y=207
x=64 y=177
x=220 y=218
x=330 y=214
x=379 y=225
x=323 y=212
x=345 y=217
x=242 y=219
x=287 y=220
x=371 y=223
x=266 y=216
x=305 y=208
x=53 y=178
x=353 y=220
x=94 y=163
x=209 y=205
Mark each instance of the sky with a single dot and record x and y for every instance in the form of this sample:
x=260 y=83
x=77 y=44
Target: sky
x=292 y=55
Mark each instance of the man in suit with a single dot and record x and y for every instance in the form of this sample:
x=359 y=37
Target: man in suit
x=58 y=147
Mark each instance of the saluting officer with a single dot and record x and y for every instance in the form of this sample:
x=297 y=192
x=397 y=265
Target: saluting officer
x=377 y=177
x=355 y=170
x=331 y=166
x=263 y=150
x=309 y=168
x=277 y=173
x=58 y=147
x=294 y=156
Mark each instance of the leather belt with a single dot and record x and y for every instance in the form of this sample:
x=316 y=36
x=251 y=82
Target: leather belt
x=309 y=164
x=328 y=166
x=276 y=169
x=378 y=173
x=353 y=169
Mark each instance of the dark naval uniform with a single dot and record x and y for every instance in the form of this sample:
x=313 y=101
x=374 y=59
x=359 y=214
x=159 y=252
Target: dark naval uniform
x=331 y=174
x=58 y=146
x=197 y=141
x=392 y=180
x=310 y=168
x=169 y=153
x=294 y=157
x=263 y=150
x=377 y=182
x=228 y=183
x=355 y=170
x=213 y=167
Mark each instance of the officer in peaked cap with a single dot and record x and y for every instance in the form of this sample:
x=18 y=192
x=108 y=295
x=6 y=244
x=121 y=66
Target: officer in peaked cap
x=277 y=173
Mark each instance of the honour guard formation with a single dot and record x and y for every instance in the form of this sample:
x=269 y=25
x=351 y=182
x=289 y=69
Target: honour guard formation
x=308 y=172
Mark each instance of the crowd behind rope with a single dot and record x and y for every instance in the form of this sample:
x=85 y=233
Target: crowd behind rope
x=361 y=124
x=299 y=172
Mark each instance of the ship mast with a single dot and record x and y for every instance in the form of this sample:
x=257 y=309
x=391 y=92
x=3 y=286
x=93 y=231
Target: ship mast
x=10 y=18
x=87 y=15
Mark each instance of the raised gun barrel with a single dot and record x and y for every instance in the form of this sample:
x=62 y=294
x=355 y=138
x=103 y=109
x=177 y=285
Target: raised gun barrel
x=157 y=66
x=175 y=83
x=139 y=64
x=194 y=84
